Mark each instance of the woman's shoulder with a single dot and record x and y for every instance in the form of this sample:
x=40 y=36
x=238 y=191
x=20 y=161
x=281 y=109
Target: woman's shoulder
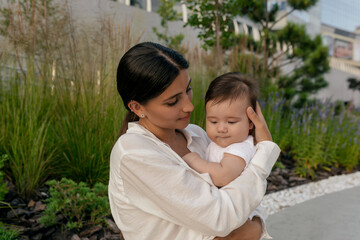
x=136 y=136
x=133 y=145
x=134 y=141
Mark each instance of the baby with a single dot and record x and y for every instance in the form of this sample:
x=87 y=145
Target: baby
x=228 y=127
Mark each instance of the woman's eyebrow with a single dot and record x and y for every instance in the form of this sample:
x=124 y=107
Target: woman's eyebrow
x=175 y=95
x=172 y=97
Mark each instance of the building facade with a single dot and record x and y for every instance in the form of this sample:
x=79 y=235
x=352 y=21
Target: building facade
x=343 y=45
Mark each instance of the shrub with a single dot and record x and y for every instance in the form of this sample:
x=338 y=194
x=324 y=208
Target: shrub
x=8 y=234
x=5 y=233
x=318 y=136
x=80 y=205
x=25 y=124
x=3 y=186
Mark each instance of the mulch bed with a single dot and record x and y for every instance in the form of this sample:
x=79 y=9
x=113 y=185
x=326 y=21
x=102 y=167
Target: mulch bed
x=26 y=215
x=283 y=178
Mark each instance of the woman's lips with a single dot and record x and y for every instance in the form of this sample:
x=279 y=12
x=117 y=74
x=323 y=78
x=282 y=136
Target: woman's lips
x=186 y=117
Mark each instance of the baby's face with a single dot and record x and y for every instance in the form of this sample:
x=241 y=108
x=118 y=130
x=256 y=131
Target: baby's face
x=227 y=122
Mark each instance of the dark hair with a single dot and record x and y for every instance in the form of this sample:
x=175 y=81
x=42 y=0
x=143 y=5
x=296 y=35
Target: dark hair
x=231 y=86
x=144 y=72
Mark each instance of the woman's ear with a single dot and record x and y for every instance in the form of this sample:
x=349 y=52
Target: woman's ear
x=135 y=107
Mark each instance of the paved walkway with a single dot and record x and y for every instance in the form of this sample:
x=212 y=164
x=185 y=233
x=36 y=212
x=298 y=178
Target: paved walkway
x=334 y=216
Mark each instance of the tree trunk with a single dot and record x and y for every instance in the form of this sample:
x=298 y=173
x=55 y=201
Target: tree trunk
x=218 y=51
x=266 y=32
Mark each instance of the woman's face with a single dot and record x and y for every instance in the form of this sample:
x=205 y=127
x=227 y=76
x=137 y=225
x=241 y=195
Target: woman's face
x=171 y=110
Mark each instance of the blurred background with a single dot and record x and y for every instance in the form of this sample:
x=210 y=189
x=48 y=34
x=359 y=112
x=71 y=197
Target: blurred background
x=60 y=113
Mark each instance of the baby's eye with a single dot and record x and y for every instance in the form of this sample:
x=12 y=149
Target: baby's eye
x=213 y=122
x=231 y=122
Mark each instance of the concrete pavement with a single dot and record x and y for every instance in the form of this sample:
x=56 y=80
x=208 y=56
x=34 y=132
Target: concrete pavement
x=334 y=216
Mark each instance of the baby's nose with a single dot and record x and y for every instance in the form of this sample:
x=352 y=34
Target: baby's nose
x=222 y=128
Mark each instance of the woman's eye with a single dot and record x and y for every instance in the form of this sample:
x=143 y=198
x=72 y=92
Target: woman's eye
x=189 y=89
x=172 y=103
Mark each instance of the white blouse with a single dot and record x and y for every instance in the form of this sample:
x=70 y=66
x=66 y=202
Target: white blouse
x=154 y=194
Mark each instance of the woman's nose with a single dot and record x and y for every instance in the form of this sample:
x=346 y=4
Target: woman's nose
x=188 y=106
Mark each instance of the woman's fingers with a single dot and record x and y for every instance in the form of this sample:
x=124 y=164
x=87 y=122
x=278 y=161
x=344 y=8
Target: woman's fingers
x=253 y=117
x=258 y=111
x=262 y=132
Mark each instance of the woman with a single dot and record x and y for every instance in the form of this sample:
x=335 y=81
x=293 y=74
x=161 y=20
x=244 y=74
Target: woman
x=153 y=193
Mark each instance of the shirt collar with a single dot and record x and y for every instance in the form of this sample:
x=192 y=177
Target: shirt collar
x=189 y=134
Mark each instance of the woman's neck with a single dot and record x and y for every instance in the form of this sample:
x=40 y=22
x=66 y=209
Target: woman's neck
x=165 y=135
x=174 y=138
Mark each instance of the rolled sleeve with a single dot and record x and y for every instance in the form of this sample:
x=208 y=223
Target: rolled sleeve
x=267 y=153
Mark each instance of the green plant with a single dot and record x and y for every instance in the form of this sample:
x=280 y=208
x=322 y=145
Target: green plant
x=3 y=185
x=354 y=85
x=168 y=14
x=320 y=135
x=60 y=112
x=199 y=86
x=80 y=205
x=8 y=234
x=35 y=29
x=278 y=119
x=214 y=20
x=25 y=125
x=289 y=46
x=86 y=135
x=323 y=137
x=89 y=111
x=5 y=233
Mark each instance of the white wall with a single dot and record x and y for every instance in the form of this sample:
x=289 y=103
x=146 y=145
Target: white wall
x=89 y=12
x=338 y=87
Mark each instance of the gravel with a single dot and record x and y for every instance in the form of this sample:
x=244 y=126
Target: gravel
x=276 y=201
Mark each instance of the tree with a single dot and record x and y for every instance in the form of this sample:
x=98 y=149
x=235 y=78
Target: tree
x=168 y=14
x=309 y=59
x=214 y=19
x=354 y=85
x=290 y=46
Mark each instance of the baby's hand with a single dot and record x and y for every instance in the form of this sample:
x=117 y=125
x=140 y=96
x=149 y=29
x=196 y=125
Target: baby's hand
x=190 y=157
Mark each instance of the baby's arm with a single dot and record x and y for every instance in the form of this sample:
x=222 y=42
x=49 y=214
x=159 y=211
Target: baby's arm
x=230 y=167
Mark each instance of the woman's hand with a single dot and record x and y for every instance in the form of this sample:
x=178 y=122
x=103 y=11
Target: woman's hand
x=262 y=132
x=250 y=230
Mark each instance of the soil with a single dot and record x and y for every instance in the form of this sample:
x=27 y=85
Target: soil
x=25 y=214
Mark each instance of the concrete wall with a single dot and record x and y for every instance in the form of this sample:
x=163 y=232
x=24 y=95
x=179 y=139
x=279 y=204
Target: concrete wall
x=338 y=88
x=90 y=11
